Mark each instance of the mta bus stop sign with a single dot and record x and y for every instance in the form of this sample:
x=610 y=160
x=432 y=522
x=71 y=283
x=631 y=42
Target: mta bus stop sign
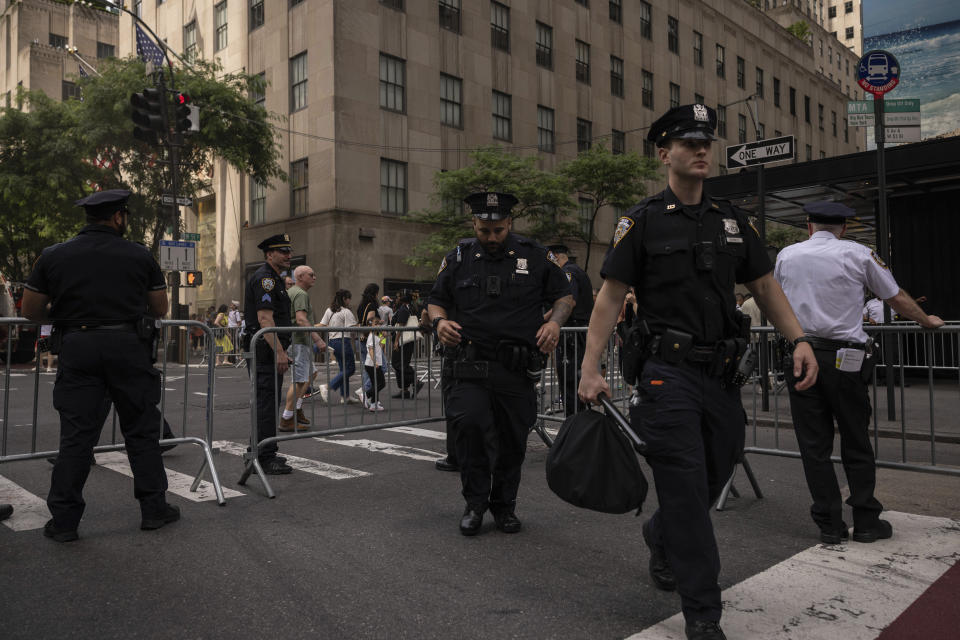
x=878 y=72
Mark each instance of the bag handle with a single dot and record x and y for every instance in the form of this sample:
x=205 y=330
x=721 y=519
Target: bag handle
x=638 y=444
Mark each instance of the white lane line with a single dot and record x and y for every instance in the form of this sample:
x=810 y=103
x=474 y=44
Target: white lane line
x=178 y=483
x=850 y=591
x=423 y=433
x=315 y=467
x=29 y=511
x=387 y=448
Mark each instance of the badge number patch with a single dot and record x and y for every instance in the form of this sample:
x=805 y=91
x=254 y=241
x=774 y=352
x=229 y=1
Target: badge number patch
x=267 y=284
x=623 y=228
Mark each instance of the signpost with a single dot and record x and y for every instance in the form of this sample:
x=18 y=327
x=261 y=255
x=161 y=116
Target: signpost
x=901 y=118
x=177 y=255
x=761 y=152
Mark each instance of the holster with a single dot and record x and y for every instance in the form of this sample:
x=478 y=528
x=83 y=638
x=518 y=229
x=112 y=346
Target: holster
x=148 y=330
x=674 y=346
x=462 y=363
x=869 y=361
x=55 y=341
x=635 y=348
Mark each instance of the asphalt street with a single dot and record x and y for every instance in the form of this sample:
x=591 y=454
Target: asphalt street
x=362 y=540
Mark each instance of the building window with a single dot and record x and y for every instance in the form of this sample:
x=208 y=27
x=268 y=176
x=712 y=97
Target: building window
x=105 y=50
x=741 y=128
x=646 y=95
x=393 y=4
x=450 y=15
x=68 y=90
x=806 y=109
x=649 y=149
x=793 y=101
x=499 y=26
x=585 y=3
x=741 y=73
x=393 y=186
x=220 y=26
x=674 y=95
x=259 y=97
x=258 y=201
x=777 y=133
x=698 y=99
x=299 y=188
x=698 y=48
x=833 y=122
x=616 y=11
x=545 y=129
x=392 y=83
x=583 y=62
x=256 y=14
x=673 y=34
x=58 y=41
x=298 y=82
x=616 y=76
x=646 y=29
x=190 y=41
x=848 y=34
x=848 y=6
x=451 y=100
x=544 y=46
x=776 y=92
x=721 y=121
x=831 y=12
x=584 y=134
x=759 y=82
x=721 y=62
x=761 y=131
x=820 y=116
x=618 y=142
x=585 y=211
x=846 y=131
x=809 y=153
x=502 y=116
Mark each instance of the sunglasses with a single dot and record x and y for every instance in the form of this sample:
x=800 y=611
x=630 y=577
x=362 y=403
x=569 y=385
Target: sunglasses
x=286 y=250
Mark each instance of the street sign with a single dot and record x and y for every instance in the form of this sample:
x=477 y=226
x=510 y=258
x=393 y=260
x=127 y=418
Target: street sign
x=903 y=112
x=878 y=72
x=902 y=134
x=181 y=200
x=192 y=236
x=178 y=255
x=760 y=152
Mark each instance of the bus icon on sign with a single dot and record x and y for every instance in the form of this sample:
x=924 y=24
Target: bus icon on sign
x=877 y=66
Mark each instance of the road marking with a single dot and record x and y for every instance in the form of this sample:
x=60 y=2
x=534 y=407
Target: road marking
x=387 y=448
x=315 y=467
x=178 y=483
x=423 y=433
x=849 y=591
x=29 y=511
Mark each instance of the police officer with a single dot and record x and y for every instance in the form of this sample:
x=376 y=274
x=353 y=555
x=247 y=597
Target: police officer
x=570 y=352
x=266 y=304
x=824 y=278
x=496 y=285
x=104 y=294
x=682 y=251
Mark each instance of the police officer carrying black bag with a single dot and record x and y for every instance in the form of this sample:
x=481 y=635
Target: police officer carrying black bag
x=682 y=251
x=496 y=285
x=570 y=352
x=266 y=304
x=105 y=294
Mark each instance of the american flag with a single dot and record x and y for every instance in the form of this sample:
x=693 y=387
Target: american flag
x=147 y=49
x=83 y=74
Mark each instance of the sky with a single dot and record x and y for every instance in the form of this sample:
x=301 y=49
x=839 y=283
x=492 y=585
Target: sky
x=891 y=16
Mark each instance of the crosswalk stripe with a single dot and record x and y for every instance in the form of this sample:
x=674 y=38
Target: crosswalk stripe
x=849 y=591
x=387 y=448
x=29 y=511
x=178 y=483
x=315 y=467
x=423 y=433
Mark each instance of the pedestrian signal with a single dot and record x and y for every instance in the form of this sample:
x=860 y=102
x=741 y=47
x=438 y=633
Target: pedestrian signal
x=194 y=279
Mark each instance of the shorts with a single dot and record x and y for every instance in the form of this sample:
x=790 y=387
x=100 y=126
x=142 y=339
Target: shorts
x=302 y=365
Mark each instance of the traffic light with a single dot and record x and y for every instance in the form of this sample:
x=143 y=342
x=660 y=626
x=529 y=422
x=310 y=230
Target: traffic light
x=173 y=278
x=187 y=115
x=194 y=279
x=148 y=116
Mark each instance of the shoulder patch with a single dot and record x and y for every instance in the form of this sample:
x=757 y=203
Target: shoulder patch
x=569 y=276
x=623 y=228
x=443 y=265
x=268 y=284
x=552 y=258
x=879 y=260
x=750 y=222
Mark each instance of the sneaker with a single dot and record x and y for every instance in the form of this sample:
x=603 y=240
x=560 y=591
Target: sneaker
x=351 y=400
x=170 y=514
x=380 y=407
x=360 y=395
x=323 y=393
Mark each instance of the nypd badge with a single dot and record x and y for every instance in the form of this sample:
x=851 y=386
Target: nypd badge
x=522 y=265
x=623 y=227
x=492 y=200
x=730 y=226
x=700 y=113
x=268 y=284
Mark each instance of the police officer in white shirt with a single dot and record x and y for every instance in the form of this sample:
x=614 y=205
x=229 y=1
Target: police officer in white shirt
x=824 y=279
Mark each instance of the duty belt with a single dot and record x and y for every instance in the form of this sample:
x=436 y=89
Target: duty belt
x=126 y=326
x=702 y=353
x=825 y=344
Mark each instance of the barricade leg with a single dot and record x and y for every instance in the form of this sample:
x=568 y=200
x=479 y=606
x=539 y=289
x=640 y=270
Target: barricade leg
x=253 y=465
x=728 y=488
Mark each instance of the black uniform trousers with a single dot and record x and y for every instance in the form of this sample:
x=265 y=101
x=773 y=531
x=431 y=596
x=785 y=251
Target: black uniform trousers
x=491 y=418
x=94 y=363
x=841 y=395
x=406 y=375
x=693 y=424
x=569 y=357
x=445 y=383
x=269 y=386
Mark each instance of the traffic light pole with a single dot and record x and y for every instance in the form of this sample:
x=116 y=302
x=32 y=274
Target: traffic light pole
x=883 y=244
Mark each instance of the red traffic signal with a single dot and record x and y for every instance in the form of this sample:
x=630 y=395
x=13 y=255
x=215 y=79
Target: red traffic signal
x=182 y=98
x=193 y=279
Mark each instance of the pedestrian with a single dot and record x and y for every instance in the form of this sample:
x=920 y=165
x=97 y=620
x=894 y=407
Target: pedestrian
x=368 y=302
x=223 y=341
x=338 y=316
x=385 y=310
x=374 y=363
x=824 y=278
x=234 y=324
x=682 y=251
x=740 y=299
x=287 y=281
x=43 y=346
x=403 y=345
x=750 y=308
x=104 y=294
x=301 y=348
x=266 y=304
x=210 y=316
x=196 y=336
x=569 y=354
x=495 y=285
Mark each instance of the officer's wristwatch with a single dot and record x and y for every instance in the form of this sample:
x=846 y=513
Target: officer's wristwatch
x=806 y=339
x=436 y=323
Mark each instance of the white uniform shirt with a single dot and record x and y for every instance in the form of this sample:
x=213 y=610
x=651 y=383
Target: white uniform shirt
x=824 y=279
x=873 y=310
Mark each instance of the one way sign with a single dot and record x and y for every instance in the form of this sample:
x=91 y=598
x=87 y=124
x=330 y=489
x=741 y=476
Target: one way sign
x=760 y=152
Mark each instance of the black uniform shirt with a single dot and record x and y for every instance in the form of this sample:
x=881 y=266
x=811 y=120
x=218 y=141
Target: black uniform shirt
x=529 y=277
x=265 y=290
x=582 y=290
x=654 y=248
x=96 y=277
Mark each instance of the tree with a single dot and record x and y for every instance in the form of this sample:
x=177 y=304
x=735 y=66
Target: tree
x=780 y=236
x=603 y=178
x=801 y=31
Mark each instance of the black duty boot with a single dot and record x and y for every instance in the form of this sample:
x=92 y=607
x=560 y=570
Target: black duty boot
x=660 y=571
x=507 y=521
x=471 y=522
x=704 y=630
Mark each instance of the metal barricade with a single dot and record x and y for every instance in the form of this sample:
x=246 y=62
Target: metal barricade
x=227 y=349
x=41 y=450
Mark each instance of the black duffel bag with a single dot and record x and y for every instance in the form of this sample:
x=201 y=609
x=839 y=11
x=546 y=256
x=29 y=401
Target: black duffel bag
x=593 y=462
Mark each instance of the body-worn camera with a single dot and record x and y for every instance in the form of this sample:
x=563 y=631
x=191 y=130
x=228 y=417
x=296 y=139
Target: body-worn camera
x=493 y=286
x=705 y=255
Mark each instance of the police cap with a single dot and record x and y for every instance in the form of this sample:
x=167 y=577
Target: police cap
x=690 y=121
x=488 y=205
x=103 y=204
x=559 y=248
x=278 y=242
x=826 y=212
